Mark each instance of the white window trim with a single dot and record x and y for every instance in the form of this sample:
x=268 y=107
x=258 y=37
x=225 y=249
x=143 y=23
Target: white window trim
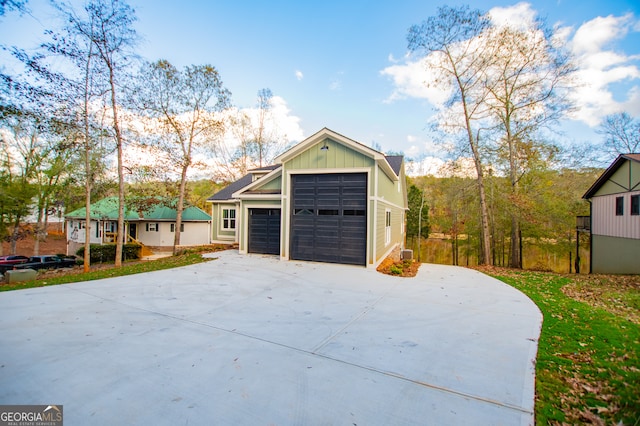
x=226 y=221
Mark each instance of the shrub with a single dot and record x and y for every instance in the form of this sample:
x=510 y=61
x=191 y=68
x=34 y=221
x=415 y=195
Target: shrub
x=107 y=252
x=395 y=269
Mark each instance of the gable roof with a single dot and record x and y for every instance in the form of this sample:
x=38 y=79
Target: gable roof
x=377 y=156
x=391 y=164
x=107 y=209
x=622 y=158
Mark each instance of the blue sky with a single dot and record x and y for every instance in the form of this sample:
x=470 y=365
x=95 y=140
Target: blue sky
x=343 y=65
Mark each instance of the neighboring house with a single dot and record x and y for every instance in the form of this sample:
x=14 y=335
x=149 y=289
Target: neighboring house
x=327 y=199
x=154 y=228
x=615 y=218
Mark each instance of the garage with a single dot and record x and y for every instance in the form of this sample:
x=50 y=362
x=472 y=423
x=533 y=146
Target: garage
x=329 y=218
x=264 y=231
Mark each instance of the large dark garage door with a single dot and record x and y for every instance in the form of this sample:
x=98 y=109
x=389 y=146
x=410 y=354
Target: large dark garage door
x=264 y=231
x=329 y=218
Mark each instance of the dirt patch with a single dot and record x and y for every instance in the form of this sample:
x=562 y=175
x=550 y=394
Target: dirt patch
x=53 y=244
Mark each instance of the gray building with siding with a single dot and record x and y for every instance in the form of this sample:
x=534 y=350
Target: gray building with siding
x=615 y=218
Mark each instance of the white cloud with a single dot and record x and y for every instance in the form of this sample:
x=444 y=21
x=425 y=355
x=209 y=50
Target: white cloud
x=280 y=123
x=521 y=15
x=594 y=35
x=299 y=75
x=412 y=81
x=600 y=67
x=288 y=124
x=632 y=104
x=426 y=166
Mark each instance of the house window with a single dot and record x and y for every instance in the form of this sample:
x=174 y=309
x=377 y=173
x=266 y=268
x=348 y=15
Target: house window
x=635 y=205
x=619 y=206
x=387 y=227
x=228 y=218
x=173 y=227
x=152 y=227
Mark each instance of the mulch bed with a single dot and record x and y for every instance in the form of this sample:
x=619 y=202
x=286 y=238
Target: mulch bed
x=399 y=268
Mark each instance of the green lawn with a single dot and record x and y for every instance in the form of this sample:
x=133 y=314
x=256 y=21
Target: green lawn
x=588 y=365
x=107 y=271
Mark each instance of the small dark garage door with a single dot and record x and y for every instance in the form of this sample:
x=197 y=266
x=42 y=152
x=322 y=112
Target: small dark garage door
x=329 y=218
x=264 y=231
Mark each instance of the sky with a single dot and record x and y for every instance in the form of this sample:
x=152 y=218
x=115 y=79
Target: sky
x=343 y=64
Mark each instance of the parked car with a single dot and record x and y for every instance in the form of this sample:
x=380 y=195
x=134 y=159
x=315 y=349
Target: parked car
x=47 y=262
x=9 y=261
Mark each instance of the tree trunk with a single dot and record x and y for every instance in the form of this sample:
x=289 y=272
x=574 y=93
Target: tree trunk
x=515 y=243
x=116 y=128
x=87 y=168
x=180 y=208
x=38 y=233
x=485 y=240
x=516 y=255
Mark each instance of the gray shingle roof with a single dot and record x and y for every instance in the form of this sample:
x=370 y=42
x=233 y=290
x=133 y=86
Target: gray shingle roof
x=395 y=161
x=225 y=194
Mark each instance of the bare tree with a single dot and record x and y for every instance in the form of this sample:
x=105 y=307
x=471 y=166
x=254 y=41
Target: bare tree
x=456 y=56
x=262 y=140
x=527 y=79
x=108 y=26
x=83 y=82
x=621 y=134
x=183 y=106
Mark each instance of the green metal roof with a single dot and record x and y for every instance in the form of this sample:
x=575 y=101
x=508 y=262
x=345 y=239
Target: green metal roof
x=107 y=209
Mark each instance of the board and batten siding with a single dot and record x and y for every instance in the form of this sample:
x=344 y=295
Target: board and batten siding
x=605 y=222
x=337 y=156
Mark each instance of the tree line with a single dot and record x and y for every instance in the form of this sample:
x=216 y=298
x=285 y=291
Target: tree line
x=85 y=111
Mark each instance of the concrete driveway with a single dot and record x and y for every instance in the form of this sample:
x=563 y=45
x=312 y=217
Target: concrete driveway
x=258 y=341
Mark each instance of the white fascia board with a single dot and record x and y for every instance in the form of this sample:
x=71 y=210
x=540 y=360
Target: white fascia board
x=323 y=134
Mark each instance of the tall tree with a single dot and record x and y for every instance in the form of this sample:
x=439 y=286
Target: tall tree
x=183 y=106
x=79 y=86
x=526 y=79
x=262 y=139
x=621 y=134
x=417 y=216
x=456 y=55
x=108 y=26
